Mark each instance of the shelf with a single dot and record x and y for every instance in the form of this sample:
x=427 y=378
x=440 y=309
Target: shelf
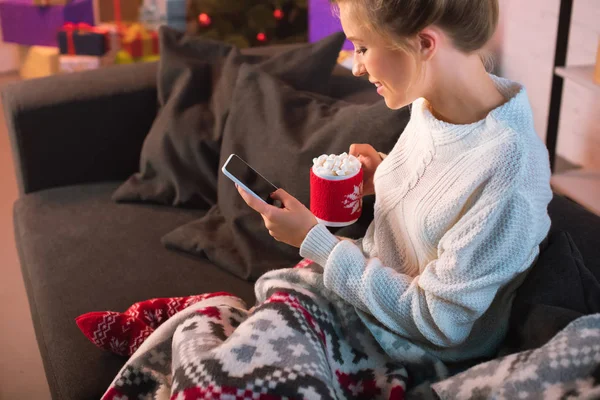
x=581 y=74
x=581 y=186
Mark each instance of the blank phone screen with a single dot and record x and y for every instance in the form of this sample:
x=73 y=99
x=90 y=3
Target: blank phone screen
x=252 y=179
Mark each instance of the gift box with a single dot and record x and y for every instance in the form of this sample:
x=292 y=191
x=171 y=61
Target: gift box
x=73 y=63
x=125 y=58
x=139 y=41
x=27 y=24
x=172 y=9
x=69 y=64
x=178 y=24
x=83 y=39
x=37 y=61
x=172 y=13
x=114 y=37
x=126 y=11
x=46 y=3
x=322 y=22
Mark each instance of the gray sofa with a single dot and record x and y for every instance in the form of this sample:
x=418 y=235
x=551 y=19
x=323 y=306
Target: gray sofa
x=75 y=139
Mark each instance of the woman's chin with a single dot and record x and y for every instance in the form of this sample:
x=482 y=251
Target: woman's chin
x=393 y=104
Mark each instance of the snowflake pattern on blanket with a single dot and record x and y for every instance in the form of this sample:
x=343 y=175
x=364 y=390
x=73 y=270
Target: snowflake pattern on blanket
x=567 y=367
x=301 y=341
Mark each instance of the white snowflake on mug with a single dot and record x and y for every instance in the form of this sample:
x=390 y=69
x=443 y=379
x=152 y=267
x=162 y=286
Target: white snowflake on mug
x=354 y=199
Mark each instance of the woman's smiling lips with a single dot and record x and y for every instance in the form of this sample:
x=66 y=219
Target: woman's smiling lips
x=379 y=87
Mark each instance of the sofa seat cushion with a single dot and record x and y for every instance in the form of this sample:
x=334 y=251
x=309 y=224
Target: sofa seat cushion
x=82 y=252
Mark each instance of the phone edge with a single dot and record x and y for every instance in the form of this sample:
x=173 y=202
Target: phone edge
x=234 y=179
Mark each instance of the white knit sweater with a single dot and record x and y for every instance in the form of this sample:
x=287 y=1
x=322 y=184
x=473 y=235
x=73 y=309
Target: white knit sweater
x=460 y=212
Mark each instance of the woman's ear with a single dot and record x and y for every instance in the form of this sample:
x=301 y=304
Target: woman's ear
x=428 y=40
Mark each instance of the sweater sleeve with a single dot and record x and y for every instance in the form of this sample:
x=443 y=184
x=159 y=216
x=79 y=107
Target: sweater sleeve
x=485 y=249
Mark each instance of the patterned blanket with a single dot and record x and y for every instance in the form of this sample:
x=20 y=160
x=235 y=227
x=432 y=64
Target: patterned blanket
x=300 y=341
x=303 y=341
x=567 y=367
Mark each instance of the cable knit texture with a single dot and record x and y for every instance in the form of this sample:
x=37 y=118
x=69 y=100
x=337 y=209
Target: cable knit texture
x=460 y=212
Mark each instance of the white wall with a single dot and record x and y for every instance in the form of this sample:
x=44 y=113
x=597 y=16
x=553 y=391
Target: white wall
x=579 y=134
x=9 y=59
x=527 y=55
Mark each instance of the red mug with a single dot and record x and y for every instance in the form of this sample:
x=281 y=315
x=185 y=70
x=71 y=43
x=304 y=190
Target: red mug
x=336 y=200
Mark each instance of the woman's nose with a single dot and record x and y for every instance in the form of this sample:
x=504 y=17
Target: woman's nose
x=358 y=69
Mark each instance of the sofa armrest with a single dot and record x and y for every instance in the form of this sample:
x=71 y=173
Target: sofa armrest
x=80 y=128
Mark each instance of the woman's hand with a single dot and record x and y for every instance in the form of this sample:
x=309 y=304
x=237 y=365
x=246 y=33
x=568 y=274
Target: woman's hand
x=289 y=224
x=370 y=160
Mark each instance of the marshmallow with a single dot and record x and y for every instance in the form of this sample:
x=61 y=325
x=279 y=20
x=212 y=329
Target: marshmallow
x=336 y=165
x=325 y=172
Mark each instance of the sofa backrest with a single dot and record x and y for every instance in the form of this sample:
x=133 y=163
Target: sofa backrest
x=343 y=85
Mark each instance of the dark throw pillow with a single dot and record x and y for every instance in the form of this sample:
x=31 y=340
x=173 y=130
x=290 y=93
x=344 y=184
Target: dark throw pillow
x=180 y=156
x=557 y=290
x=277 y=130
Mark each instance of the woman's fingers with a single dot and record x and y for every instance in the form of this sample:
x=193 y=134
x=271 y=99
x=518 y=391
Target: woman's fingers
x=358 y=148
x=364 y=149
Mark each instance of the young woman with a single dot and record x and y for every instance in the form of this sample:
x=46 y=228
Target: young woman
x=461 y=205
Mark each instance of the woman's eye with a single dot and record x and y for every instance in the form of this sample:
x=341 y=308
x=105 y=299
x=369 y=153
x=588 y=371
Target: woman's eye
x=362 y=50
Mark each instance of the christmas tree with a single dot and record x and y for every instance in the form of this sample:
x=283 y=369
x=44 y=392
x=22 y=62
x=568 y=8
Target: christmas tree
x=249 y=23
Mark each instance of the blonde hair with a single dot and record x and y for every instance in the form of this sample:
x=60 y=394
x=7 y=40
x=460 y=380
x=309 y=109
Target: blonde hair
x=469 y=24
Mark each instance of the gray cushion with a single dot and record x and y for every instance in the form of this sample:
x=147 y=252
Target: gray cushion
x=583 y=227
x=278 y=130
x=558 y=289
x=180 y=157
x=81 y=252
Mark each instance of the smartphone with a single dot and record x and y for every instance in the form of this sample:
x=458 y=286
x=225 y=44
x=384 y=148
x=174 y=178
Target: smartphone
x=249 y=179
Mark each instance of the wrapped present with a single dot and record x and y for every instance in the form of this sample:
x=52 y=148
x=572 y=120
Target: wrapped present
x=37 y=61
x=74 y=63
x=27 y=24
x=69 y=64
x=322 y=22
x=114 y=37
x=140 y=42
x=152 y=58
x=46 y=3
x=83 y=39
x=117 y=11
x=171 y=10
x=177 y=24
x=125 y=58
x=155 y=13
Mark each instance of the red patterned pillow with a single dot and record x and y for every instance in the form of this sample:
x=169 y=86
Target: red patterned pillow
x=123 y=333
